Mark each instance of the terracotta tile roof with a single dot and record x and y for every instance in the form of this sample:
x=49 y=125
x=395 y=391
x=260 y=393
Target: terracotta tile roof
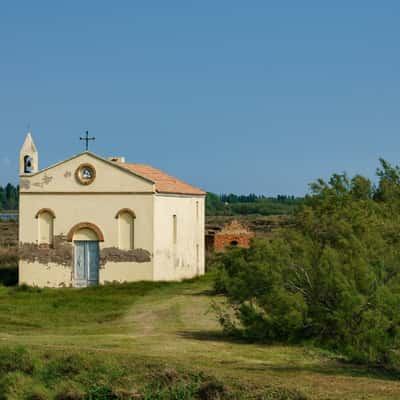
x=164 y=183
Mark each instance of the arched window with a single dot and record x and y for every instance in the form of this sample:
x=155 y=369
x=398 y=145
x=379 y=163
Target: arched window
x=126 y=229
x=45 y=219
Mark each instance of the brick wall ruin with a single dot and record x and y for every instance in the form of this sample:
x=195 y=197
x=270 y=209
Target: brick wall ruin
x=232 y=234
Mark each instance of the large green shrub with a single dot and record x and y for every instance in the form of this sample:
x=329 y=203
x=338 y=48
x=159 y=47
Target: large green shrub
x=332 y=276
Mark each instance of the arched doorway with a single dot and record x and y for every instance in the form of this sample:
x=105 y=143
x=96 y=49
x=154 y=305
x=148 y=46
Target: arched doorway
x=86 y=238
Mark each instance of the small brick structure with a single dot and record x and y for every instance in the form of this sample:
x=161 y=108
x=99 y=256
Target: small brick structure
x=232 y=234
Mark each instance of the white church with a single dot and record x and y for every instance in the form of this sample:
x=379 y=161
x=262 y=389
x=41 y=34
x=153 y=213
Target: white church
x=93 y=220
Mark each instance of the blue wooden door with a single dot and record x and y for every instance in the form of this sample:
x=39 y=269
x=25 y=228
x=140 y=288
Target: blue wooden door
x=80 y=278
x=93 y=259
x=87 y=259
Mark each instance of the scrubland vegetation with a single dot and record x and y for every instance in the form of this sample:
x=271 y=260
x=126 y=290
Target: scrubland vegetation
x=116 y=342
x=331 y=277
x=158 y=341
x=311 y=312
x=8 y=253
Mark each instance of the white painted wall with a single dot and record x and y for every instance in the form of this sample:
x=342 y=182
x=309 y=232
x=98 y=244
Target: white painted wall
x=186 y=257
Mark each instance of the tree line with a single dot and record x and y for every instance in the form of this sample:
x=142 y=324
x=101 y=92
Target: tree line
x=232 y=204
x=223 y=204
x=9 y=197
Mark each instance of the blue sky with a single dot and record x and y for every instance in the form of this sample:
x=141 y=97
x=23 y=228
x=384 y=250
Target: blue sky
x=233 y=96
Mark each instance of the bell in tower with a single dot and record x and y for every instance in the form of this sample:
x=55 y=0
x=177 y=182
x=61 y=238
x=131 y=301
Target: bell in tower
x=29 y=159
x=28 y=164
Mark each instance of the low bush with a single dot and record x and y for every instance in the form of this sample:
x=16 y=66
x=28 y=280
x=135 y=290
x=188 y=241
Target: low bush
x=14 y=359
x=332 y=276
x=8 y=266
x=15 y=385
x=69 y=390
x=9 y=256
x=101 y=392
x=65 y=366
x=92 y=376
x=170 y=384
x=212 y=389
x=9 y=275
x=37 y=392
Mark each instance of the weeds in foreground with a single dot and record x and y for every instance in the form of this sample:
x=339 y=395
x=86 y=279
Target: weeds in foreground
x=69 y=376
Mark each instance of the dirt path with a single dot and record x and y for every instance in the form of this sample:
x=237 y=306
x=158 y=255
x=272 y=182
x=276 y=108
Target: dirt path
x=173 y=325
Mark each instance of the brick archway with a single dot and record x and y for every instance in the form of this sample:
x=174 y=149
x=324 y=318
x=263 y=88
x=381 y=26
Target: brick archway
x=87 y=225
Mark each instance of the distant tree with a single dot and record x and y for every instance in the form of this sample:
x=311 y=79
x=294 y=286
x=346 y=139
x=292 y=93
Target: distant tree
x=232 y=204
x=2 y=198
x=9 y=197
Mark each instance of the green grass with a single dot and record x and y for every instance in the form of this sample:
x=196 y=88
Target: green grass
x=61 y=311
x=161 y=340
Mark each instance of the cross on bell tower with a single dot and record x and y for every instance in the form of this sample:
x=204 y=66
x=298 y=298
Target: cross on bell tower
x=87 y=139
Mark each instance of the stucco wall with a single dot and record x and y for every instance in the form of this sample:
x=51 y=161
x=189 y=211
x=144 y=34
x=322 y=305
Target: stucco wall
x=98 y=209
x=51 y=275
x=61 y=178
x=126 y=272
x=176 y=261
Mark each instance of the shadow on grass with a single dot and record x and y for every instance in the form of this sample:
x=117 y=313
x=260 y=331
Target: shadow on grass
x=205 y=292
x=8 y=275
x=217 y=336
x=328 y=365
x=335 y=367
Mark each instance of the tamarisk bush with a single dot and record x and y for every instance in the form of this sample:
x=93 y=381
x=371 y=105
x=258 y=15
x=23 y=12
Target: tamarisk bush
x=332 y=276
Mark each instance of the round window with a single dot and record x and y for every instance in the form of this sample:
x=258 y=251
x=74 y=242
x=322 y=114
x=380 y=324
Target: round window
x=86 y=174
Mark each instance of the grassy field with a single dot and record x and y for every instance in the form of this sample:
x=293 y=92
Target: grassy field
x=154 y=328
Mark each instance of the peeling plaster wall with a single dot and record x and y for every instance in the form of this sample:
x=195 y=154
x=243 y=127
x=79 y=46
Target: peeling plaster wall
x=115 y=255
x=61 y=253
x=178 y=261
x=71 y=208
x=41 y=275
x=53 y=267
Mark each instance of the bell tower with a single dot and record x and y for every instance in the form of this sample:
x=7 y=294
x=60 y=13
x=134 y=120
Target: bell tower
x=28 y=157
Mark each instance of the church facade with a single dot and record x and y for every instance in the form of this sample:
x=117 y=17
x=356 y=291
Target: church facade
x=91 y=220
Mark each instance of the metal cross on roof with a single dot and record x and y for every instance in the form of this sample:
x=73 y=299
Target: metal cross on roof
x=87 y=139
